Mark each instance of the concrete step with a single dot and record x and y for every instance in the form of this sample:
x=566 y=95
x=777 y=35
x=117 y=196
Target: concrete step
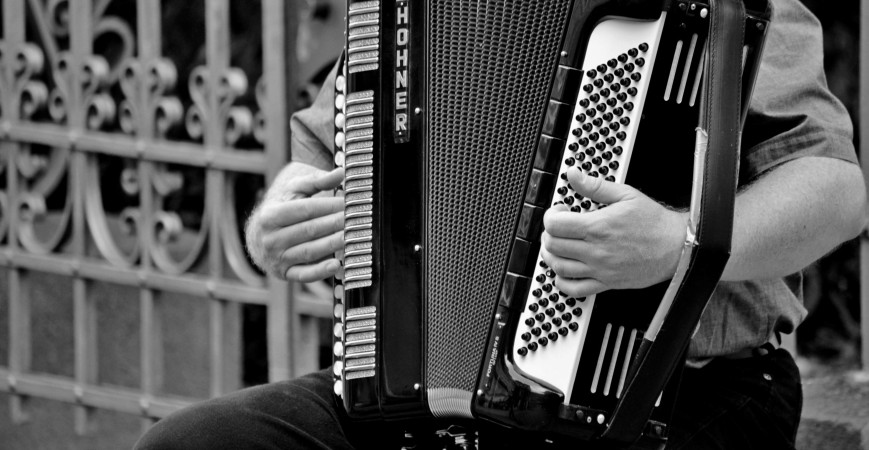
x=835 y=412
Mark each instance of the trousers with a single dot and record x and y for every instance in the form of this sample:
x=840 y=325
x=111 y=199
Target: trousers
x=748 y=403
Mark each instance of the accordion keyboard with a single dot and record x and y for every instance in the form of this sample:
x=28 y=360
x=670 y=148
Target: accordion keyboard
x=552 y=328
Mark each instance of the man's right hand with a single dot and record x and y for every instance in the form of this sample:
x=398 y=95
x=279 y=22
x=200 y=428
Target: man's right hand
x=296 y=230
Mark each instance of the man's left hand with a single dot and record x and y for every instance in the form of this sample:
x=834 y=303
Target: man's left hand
x=634 y=242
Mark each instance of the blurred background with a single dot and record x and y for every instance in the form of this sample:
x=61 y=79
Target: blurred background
x=136 y=136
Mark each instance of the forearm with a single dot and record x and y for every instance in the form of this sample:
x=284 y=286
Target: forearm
x=794 y=215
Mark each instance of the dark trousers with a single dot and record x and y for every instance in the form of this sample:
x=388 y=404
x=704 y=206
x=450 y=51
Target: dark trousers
x=751 y=403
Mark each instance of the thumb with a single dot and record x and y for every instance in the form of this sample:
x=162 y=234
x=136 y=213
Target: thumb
x=596 y=188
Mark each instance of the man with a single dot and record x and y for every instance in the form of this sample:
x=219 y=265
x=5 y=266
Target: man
x=801 y=194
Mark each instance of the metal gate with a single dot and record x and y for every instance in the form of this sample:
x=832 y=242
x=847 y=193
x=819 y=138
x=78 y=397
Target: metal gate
x=119 y=167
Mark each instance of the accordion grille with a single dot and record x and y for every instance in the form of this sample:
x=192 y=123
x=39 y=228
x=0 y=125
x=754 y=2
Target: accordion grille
x=489 y=82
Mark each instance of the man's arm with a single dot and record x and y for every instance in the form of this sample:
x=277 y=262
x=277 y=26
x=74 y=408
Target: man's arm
x=784 y=221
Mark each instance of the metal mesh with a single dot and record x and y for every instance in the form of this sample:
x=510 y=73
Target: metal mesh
x=489 y=80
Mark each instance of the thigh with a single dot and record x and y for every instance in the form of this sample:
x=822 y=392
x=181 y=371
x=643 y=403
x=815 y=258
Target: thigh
x=297 y=414
x=746 y=404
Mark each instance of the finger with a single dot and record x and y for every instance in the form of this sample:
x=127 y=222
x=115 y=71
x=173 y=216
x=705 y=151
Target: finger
x=579 y=287
x=328 y=180
x=566 y=268
x=313 y=272
x=306 y=231
x=566 y=224
x=283 y=214
x=596 y=188
x=310 y=252
x=568 y=248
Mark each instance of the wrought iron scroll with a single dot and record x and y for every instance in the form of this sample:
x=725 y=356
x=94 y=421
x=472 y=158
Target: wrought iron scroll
x=67 y=113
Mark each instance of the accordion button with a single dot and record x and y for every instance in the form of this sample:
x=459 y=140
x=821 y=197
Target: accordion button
x=341 y=83
x=584 y=103
x=526 y=337
x=339 y=159
x=591 y=73
x=625 y=82
x=547 y=287
x=588 y=88
x=340 y=120
x=611 y=141
x=597 y=83
x=339 y=101
x=576 y=132
x=561 y=191
x=633 y=53
x=621 y=135
x=568 y=201
x=594 y=137
x=522 y=351
x=550 y=273
x=632 y=92
x=338 y=349
x=623 y=57
x=629 y=67
x=546 y=326
x=601 y=68
x=612 y=63
x=611 y=179
x=550 y=312
x=573 y=326
x=615 y=87
x=577 y=312
x=573 y=147
x=643 y=47
x=539 y=317
x=563 y=331
x=614 y=165
x=543 y=303
x=618 y=111
x=569 y=162
x=537 y=293
x=586 y=204
x=339 y=388
x=596 y=160
x=594 y=98
x=553 y=336
x=533 y=307
x=532 y=346
x=338 y=330
x=609 y=77
x=543 y=341
x=338 y=310
x=560 y=307
x=604 y=171
x=640 y=62
x=611 y=103
x=619 y=73
x=567 y=317
x=340 y=139
x=556 y=321
x=625 y=121
x=605 y=92
x=575 y=209
x=529 y=321
x=617 y=151
x=553 y=298
x=535 y=331
x=583 y=142
x=540 y=278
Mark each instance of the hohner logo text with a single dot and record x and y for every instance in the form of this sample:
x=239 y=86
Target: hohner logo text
x=402 y=62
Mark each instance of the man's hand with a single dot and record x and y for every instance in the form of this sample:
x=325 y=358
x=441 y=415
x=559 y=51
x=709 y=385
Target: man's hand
x=634 y=242
x=295 y=232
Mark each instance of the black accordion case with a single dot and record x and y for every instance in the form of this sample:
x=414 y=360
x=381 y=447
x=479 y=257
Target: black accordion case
x=456 y=122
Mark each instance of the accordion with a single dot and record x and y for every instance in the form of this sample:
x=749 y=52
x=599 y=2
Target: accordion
x=455 y=123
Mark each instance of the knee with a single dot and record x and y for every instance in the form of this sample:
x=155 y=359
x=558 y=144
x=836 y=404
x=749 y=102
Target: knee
x=204 y=425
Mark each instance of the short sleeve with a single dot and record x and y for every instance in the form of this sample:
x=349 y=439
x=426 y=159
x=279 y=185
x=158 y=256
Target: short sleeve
x=313 y=128
x=792 y=113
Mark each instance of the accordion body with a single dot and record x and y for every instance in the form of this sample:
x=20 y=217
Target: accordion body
x=455 y=123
